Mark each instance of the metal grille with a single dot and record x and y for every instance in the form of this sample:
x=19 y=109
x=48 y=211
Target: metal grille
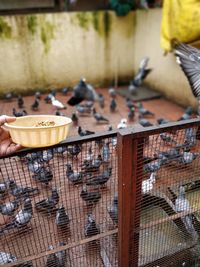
x=166 y=222
x=84 y=175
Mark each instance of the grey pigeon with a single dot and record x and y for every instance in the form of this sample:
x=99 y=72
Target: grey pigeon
x=101 y=101
x=9 y=208
x=52 y=259
x=113 y=105
x=85 y=132
x=22 y=218
x=99 y=117
x=131 y=113
x=20 y=101
x=112 y=92
x=49 y=203
x=100 y=179
x=19 y=191
x=143 y=111
x=74 y=118
x=73 y=176
x=62 y=218
x=35 y=105
x=90 y=197
x=144 y=122
x=91 y=227
x=44 y=176
x=82 y=91
x=153 y=166
x=186 y=115
x=142 y=72
x=74 y=150
x=162 y=121
x=83 y=110
x=188 y=57
x=132 y=89
x=167 y=138
x=188 y=157
x=106 y=152
x=113 y=210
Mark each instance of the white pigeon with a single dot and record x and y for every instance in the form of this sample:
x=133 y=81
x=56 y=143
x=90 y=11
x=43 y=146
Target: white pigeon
x=147 y=185
x=122 y=124
x=56 y=103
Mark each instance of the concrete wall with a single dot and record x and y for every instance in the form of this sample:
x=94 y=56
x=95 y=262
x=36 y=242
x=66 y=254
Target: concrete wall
x=55 y=50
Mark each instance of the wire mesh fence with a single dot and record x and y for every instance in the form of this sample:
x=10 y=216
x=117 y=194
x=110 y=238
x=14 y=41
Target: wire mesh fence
x=103 y=201
x=60 y=198
x=166 y=223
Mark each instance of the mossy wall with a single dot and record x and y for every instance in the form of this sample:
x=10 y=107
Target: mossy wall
x=54 y=50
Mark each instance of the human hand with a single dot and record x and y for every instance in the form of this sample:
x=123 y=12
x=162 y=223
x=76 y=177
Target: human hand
x=6 y=144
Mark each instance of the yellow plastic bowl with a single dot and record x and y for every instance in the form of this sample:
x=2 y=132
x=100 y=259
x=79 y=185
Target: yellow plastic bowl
x=24 y=132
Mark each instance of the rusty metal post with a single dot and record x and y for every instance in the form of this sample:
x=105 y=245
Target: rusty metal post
x=130 y=156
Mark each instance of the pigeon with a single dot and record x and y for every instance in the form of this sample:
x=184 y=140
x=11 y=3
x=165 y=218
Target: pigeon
x=147 y=185
x=9 y=208
x=90 y=197
x=34 y=165
x=45 y=176
x=98 y=117
x=59 y=113
x=153 y=166
x=62 y=218
x=131 y=113
x=82 y=91
x=8 y=96
x=37 y=95
x=122 y=124
x=112 y=92
x=18 y=191
x=64 y=261
x=143 y=111
x=100 y=179
x=52 y=259
x=110 y=128
x=93 y=166
x=186 y=115
x=167 y=139
x=4 y=187
x=113 y=105
x=188 y=57
x=144 y=122
x=47 y=155
x=83 y=110
x=49 y=97
x=182 y=204
x=59 y=150
x=22 y=218
x=35 y=105
x=73 y=176
x=74 y=150
x=113 y=210
x=56 y=103
x=6 y=258
x=91 y=228
x=189 y=138
x=89 y=156
x=188 y=157
x=129 y=103
x=101 y=101
x=132 y=89
x=20 y=101
x=65 y=90
x=162 y=121
x=49 y=203
x=82 y=132
x=74 y=119
x=106 y=152
x=20 y=113
x=142 y=72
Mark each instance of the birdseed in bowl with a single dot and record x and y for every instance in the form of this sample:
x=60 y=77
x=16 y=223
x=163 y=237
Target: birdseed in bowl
x=45 y=123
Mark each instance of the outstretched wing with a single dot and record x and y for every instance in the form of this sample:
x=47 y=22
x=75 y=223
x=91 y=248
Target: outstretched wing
x=188 y=57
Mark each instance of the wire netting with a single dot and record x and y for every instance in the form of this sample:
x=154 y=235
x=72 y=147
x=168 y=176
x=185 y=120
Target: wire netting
x=60 y=197
x=168 y=208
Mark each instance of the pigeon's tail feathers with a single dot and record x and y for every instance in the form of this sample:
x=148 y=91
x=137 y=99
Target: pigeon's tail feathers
x=188 y=58
x=73 y=101
x=146 y=72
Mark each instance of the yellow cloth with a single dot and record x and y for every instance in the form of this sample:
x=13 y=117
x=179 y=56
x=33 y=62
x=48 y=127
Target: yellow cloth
x=180 y=21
